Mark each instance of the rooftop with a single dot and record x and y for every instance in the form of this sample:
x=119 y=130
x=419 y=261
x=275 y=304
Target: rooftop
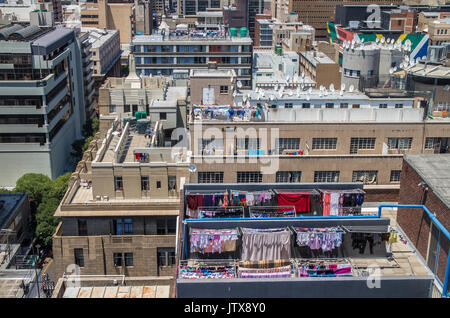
x=98 y=37
x=8 y=204
x=427 y=70
x=212 y=73
x=189 y=36
x=434 y=170
x=317 y=57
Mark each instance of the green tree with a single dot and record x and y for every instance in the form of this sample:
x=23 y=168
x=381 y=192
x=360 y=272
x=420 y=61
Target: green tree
x=59 y=186
x=37 y=186
x=46 y=221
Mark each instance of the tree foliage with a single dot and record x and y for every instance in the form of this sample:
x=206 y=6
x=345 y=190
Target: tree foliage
x=37 y=186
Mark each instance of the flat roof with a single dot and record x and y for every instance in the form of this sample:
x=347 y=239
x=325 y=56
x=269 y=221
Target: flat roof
x=320 y=57
x=146 y=291
x=8 y=205
x=434 y=170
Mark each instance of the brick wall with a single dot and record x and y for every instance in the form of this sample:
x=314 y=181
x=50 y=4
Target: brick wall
x=415 y=222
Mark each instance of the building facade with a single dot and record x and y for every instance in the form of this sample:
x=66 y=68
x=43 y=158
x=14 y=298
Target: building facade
x=42 y=98
x=320 y=68
x=161 y=54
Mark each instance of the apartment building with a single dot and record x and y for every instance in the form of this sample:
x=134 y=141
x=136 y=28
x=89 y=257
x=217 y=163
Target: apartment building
x=318 y=13
x=19 y=11
x=320 y=68
x=439 y=31
x=41 y=98
x=319 y=136
x=258 y=250
x=88 y=80
x=119 y=215
x=271 y=32
x=370 y=64
x=123 y=97
x=212 y=86
x=425 y=18
x=275 y=67
x=129 y=17
x=166 y=51
x=398 y=19
x=191 y=7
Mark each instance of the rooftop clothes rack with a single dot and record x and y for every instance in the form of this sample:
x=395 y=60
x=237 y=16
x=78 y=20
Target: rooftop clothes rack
x=274 y=272
x=198 y=269
x=194 y=200
x=204 y=212
x=342 y=202
x=266 y=244
x=225 y=112
x=302 y=200
x=252 y=198
x=213 y=240
x=324 y=268
x=271 y=211
x=325 y=239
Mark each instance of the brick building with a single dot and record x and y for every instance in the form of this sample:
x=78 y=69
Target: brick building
x=425 y=181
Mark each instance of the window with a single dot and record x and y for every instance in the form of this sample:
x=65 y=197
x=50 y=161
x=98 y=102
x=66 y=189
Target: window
x=287 y=143
x=329 y=105
x=288 y=105
x=383 y=105
x=288 y=176
x=79 y=258
x=123 y=226
x=367 y=177
x=128 y=259
x=432 y=142
x=249 y=176
x=82 y=228
x=344 y=105
x=223 y=89
x=324 y=143
x=398 y=105
x=326 y=176
x=166 y=256
x=126 y=108
x=112 y=108
x=145 y=183
x=247 y=143
x=172 y=182
x=166 y=225
x=118 y=183
x=361 y=143
x=117 y=259
x=210 y=177
x=162 y=116
x=158 y=184
x=399 y=143
x=395 y=175
x=306 y=105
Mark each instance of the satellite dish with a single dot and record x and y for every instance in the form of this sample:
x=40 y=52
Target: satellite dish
x=383 y=40
x=351 y=88
x=291 y=93
x=331 y=87
x=447 y=87
x=239 y=84
x=342 y=86
x=391 y=70
x=310 y=90
x=192 y=168
x=377 y=40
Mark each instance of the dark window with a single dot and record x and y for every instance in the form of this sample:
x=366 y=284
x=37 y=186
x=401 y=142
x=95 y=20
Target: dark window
x=118 y=183
x=166 y=256
x=395 y=175
x=162 y=116
x=117 y=259
x=158 y=184
x=324 y=143
x=145 y=183
x=128 y=259
x=82 y=228
x=123 y=226
x=306 y=105
x=249 y=176
x=210 y=177
x=326 y=176
x=288 y=176
x=223 y=89
x=166 y=225
x=79 y=258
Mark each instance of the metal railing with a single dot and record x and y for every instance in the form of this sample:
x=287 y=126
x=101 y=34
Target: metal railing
x=441 y=229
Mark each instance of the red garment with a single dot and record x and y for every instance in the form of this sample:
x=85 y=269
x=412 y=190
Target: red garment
x=299 y=201
x=137 y=155
x=194 y=201
x=326 y=204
